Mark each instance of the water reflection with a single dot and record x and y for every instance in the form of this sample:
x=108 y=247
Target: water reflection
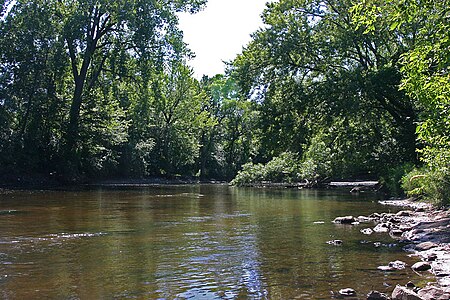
x=202 y=242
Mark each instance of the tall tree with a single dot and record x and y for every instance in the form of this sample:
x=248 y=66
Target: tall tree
x=313 y=67
x=426 y=79
x=75 y=68
x=92 y=30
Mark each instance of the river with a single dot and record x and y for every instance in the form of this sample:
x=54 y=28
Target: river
x=190 y=241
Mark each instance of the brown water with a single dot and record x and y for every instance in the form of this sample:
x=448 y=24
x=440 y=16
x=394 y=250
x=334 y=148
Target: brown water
x=198 y=241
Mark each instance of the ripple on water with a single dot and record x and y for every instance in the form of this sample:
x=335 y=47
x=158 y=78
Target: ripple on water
x=56 y=239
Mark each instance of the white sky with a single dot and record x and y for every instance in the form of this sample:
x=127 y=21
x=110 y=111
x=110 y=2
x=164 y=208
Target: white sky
x=219 y=32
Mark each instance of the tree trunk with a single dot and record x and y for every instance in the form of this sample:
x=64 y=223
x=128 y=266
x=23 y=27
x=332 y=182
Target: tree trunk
x=74 y=116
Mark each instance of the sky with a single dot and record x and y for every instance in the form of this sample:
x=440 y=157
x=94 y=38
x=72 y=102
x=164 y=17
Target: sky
x=219 y=32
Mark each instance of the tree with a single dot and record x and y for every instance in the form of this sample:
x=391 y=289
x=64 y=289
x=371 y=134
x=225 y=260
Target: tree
x=31 y=71
x=227 y=133
x=426 y=79
x=312 y=67
x=177 y=120
x=93 y=30
x=73 y=72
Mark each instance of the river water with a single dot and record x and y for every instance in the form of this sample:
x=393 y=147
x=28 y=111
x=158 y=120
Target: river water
x=191 y=241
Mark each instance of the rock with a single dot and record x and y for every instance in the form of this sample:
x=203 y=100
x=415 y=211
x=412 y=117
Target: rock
x=385 y=268
x=375 y=216
x=396 y=232
x=426 y=246
x=396 y=220
x=398 y=264
x=403 y=293
x=410 y=285
x=363 y=219
x=404 y=213
x=431 y=257
x=431 y=293
x=393 y=266
x=376 y=295
x=345 y=220
x=335 y=242
x=383 y=227
x=367 y=231
x=404 y=227
x=348 y=292
x=421 y=266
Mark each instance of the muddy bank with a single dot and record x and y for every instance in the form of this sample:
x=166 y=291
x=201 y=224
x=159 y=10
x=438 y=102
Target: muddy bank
x=425 y=232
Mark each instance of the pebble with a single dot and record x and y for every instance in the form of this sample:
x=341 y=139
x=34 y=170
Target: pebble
x=335 y=242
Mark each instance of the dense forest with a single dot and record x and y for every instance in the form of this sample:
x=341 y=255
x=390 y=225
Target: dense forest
x=325 y=90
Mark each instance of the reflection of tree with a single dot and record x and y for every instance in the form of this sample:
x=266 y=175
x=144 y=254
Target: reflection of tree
x=216 y=255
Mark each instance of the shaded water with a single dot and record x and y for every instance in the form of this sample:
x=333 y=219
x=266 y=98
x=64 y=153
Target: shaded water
x=198 y=241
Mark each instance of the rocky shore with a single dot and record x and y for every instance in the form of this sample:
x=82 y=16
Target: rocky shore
x=425 y=230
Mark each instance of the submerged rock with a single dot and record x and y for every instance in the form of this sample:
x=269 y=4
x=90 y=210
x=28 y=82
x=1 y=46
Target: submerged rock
x=367 y=231
x=393 y=266
x=398 y=264
x=383 y=227
x=363 y=219
x=10 y=212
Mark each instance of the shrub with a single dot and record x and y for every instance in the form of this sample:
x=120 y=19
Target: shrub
x=393 y=178
x=429 y=185
x=316 y=162
x=283 y=168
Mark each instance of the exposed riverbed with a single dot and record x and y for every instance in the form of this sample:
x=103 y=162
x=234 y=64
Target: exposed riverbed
x=192 y=241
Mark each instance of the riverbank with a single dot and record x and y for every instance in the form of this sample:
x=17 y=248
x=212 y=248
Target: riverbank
x=425 y=230
x=52 y=181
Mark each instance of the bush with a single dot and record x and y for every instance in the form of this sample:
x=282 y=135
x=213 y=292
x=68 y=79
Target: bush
x=393 y=178
x=430 y=185
x=316 y=162
x=281 y=169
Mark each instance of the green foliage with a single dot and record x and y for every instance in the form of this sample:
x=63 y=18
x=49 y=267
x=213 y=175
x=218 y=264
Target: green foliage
x=284 y=168
x=431 y=185
x=77 y=87
x=425 y=79
x=327 y=89
x=250 y=174
x=392 y=180
x=227 y=134
x=316 y=77
x=316 y=163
